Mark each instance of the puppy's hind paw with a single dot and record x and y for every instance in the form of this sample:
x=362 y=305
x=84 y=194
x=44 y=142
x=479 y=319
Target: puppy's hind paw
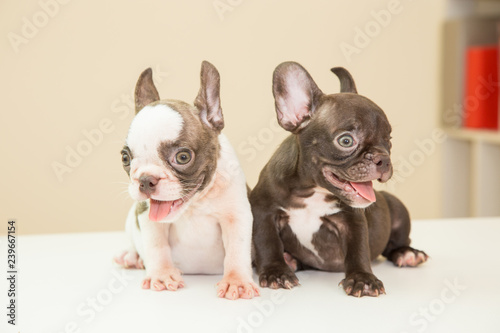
x=408 y=257
x=129 y=259
x=291 y=261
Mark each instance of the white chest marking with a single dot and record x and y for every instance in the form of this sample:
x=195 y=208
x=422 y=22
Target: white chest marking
x=305 y=222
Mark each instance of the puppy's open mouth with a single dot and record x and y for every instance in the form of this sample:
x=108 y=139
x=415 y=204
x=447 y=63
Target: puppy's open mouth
x=159 y=210
x=363 y=189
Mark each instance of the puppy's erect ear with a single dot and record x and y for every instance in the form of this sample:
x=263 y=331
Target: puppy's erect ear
x=208 y=99
x=347 y=84
x=145 y=90
x=296 y=95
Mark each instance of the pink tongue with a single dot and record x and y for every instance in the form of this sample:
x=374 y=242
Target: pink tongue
x=365 y=190
x=158 y=210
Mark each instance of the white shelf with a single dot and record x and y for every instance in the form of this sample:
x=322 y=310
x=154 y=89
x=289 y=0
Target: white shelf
x=471 y=158
x=471 y=174
x=483 y=136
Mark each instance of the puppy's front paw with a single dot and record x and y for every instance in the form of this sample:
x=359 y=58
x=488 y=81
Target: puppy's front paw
x=169 y=278
x=233 y=286
x=362 y=284
x=278 y=276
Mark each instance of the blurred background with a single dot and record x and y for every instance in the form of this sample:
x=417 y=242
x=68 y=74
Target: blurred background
x=68 y=70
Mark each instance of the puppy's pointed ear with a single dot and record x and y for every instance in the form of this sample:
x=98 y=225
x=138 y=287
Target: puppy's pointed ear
x=296 y=96
x=145 y=90
x=347 y=84
x=208 y=100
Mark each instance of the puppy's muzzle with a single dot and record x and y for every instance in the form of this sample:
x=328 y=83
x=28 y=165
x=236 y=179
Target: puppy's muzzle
x=148 y=184
x=383 y=165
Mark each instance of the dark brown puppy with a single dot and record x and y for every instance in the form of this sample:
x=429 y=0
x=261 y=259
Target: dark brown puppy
x=314 y=205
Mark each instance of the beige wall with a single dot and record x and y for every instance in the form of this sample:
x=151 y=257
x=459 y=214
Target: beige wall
x=78 y=70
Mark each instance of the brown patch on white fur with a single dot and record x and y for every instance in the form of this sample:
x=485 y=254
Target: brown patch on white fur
x=202 y=140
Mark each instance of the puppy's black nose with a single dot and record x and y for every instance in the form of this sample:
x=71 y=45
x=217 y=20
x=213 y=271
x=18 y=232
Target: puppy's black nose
x=383 y=163
x=148 y=184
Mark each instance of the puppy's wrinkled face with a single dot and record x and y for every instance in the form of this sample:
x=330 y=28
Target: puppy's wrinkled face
x=344 y=138
x=348 y=153
x=172 y=147
x=170 y=156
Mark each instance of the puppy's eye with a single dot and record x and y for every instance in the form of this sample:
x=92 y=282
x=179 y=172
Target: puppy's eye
x=125 y=158
x=346 y=141
x=183 y=157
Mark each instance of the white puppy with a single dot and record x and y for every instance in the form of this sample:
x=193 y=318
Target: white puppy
x=192 y=213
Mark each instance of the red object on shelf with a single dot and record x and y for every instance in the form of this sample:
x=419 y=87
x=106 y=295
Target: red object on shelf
x=481 y=87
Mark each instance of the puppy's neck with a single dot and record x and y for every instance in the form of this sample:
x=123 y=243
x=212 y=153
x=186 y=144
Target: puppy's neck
x=291 y=163
x=304 y=173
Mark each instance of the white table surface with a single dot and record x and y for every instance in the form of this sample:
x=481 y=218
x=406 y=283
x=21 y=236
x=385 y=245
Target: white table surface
x=60 y=274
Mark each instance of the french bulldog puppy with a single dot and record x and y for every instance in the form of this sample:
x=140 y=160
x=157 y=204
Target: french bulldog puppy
x=314 y=205
x=192 y=213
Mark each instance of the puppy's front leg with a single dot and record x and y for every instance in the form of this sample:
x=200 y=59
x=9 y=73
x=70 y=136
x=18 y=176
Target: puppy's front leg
x=160 y=271
x=236 y=235
x=359 y=280
x=269 y=252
